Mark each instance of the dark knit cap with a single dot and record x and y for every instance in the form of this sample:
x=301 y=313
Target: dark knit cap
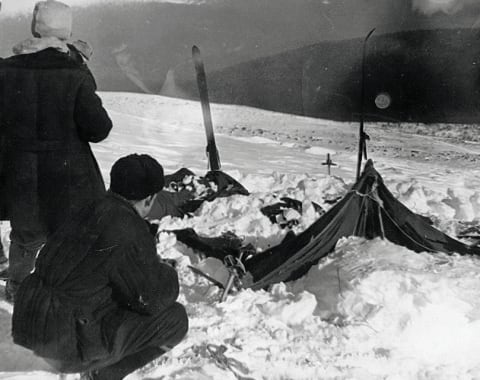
x=136 y=176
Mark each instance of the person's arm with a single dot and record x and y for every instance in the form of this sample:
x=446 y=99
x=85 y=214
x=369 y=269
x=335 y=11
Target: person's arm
x=92 y=120
x=141 y=282
x=167 y=203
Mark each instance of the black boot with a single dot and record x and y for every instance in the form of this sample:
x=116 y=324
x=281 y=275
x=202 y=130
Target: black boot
x=3 y=258
x=128 y=364
x=4 y=274
x=11 y=289
x=89 y=375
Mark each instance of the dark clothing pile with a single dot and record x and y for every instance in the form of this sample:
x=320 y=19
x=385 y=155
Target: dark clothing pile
x=185 y=192
x=228 y=244
x=99 y=294
x=275 y=212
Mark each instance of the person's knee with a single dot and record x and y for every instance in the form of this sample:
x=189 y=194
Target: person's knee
x=183 y=320
x=179 y=315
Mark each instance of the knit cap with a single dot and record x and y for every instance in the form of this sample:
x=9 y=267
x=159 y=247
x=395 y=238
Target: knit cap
x=136 y=176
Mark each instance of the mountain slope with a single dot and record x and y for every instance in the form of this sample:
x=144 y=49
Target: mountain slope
x=430 y=75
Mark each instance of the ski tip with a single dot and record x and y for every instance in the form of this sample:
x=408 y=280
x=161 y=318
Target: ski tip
x=370 y=33
x=195 y=49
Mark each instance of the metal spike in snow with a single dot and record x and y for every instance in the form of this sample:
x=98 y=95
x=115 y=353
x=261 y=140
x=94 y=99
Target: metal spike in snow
x=362 y=136
x=236 y=271
x=212 y=152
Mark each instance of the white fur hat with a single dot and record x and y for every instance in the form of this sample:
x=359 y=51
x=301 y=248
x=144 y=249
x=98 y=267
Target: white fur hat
x=52 y=19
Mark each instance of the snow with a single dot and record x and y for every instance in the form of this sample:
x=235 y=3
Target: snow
x=319 y=151
x=371 y=310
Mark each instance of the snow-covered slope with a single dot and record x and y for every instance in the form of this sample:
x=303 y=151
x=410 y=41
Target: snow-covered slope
x=372 y=310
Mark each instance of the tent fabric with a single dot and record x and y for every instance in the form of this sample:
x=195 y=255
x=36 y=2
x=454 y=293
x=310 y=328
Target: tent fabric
x=218 y=247
x=368 y=210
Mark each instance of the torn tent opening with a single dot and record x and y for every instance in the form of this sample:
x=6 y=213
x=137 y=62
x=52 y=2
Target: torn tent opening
x=368 y=210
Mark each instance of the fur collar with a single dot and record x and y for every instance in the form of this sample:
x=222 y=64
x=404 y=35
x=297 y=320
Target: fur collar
x=34 y=45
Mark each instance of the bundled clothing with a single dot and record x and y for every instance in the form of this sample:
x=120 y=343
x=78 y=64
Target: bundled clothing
x=100 y=297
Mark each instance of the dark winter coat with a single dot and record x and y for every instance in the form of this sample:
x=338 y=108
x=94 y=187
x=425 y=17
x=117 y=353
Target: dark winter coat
x=89 y=274
x=49 y=112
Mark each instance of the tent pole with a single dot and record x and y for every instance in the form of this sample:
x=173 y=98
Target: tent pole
x=381 y=221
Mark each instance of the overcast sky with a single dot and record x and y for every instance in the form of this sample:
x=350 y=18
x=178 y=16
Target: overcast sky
x=423 y=6
x=15 y=6
x=10 y=7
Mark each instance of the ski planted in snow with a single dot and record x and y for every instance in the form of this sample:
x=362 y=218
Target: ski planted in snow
x=212 y=152
x=362 y=146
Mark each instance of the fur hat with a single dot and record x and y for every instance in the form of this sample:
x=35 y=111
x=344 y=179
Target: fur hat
x=52 y=19
x=135 y=177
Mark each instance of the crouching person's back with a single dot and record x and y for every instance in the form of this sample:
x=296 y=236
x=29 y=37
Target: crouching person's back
x=100 y=300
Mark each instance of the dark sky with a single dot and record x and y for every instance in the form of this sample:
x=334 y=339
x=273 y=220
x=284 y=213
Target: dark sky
x=348 y=18
x=326 y=19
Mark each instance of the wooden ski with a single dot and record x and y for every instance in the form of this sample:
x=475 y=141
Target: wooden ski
x=212 y=152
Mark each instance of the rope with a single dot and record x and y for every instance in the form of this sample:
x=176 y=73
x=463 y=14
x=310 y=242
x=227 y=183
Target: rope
x=379 y=202
x=217 y=353
x=373 y=195
x=355 y=228
x=406 y=235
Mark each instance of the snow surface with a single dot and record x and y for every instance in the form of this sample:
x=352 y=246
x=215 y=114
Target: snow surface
x=371 y=310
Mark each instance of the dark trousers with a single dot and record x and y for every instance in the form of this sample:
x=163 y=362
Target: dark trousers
x=137 y=341
x=3 y=258
x=24 y=247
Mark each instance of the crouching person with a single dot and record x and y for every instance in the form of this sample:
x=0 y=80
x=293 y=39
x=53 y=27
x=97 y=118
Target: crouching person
x=100 y=301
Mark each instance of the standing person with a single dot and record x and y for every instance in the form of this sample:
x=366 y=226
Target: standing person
x=100 y=299
x=50 y=112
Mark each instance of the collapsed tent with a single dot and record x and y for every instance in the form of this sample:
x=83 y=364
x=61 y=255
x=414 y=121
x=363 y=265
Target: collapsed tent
x=368 y=210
